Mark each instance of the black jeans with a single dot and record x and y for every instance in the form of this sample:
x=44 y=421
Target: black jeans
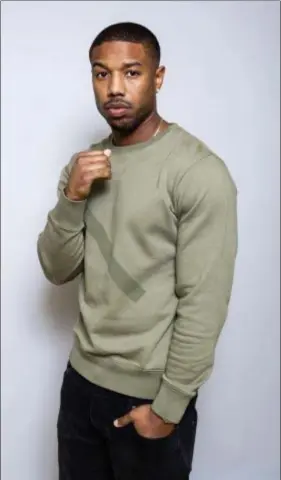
x=91 y=448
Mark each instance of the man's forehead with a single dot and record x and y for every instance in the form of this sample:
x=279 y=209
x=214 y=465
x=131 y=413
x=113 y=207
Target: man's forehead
x=119 y=52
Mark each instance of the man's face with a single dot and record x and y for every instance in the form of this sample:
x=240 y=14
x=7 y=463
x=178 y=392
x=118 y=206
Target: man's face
x=125 y=79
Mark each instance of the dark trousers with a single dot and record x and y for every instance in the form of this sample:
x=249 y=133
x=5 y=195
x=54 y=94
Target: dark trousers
x=91 y=448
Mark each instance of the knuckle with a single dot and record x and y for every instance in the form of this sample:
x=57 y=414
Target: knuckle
x=98 y=159
x=79 y=161
x=80 y=155
x=97 y=152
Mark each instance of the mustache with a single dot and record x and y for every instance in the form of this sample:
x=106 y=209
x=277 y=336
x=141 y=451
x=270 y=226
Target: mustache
x=116 y=104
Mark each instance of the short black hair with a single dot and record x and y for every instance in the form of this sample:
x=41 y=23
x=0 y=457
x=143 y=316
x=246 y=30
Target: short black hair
x=129 y=32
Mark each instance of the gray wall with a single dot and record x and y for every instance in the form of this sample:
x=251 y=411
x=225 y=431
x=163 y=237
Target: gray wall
x=222 y=84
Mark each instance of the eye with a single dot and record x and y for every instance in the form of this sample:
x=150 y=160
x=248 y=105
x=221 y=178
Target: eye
x=132 y=73
x=100 y=74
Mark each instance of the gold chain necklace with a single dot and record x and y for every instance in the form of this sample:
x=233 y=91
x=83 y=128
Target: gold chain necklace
x=158 y=128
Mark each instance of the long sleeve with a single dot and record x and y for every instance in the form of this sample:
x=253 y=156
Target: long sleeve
x=60 y=245
x=206 y=205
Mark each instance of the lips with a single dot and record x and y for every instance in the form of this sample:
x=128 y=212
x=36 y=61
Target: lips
x=117 y=109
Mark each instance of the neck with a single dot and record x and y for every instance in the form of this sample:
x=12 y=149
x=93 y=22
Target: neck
x=141 y=134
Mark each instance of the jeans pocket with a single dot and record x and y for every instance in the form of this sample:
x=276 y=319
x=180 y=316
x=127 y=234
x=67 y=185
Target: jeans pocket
x=172 y=437
x=137 y=402
x=159 y=458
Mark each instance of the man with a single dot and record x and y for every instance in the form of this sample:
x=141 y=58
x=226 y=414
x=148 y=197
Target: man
x=147 y=217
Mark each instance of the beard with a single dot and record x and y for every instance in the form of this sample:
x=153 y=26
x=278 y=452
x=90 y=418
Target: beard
x=128 y=123
x=124 y=126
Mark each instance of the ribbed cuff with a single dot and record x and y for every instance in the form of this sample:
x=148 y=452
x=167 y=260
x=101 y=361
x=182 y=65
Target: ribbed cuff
x=69 y=214
x=169 y=404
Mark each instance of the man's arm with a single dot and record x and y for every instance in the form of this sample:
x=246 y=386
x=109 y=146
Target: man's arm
x=60 y=246
x=205 y=200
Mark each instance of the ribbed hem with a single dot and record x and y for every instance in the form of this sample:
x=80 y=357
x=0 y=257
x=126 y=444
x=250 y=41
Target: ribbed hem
x=170 y=404
x=68 y=213
x=106 y=373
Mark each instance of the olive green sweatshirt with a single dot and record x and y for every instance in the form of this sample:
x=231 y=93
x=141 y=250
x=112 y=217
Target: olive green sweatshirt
x=155 y=249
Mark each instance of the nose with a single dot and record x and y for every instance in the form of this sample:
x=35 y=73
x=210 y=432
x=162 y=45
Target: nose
x=116 y=86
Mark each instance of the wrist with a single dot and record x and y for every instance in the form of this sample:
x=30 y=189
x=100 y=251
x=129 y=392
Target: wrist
x=157 y=419
x=71 y=196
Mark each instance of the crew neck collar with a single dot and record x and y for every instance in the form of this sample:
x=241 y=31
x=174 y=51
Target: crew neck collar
x=140 y=145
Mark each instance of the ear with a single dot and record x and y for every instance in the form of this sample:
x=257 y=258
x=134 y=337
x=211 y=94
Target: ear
x=159 y=77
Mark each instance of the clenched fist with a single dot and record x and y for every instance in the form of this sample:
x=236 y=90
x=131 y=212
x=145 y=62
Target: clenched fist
x=88 y=167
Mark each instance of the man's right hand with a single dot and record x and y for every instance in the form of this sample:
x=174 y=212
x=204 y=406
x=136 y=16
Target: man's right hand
x=88 y=167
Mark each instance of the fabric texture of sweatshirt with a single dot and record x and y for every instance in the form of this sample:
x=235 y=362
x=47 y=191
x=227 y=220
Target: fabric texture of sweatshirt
x=155 y=249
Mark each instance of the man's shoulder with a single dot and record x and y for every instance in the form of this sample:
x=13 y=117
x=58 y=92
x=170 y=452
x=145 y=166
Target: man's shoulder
x=194 y=156
x=190 y=149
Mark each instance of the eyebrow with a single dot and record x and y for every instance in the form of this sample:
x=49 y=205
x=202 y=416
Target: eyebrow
x=131 y=64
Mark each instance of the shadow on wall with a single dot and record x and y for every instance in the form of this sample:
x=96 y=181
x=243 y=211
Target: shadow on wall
x=60 y=305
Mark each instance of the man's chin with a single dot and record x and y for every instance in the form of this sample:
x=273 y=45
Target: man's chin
x=122 y=124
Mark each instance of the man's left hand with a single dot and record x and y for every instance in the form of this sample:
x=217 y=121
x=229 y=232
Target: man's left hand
x=146 y=423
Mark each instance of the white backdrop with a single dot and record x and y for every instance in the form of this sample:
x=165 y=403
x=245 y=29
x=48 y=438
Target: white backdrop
x=222 y=84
